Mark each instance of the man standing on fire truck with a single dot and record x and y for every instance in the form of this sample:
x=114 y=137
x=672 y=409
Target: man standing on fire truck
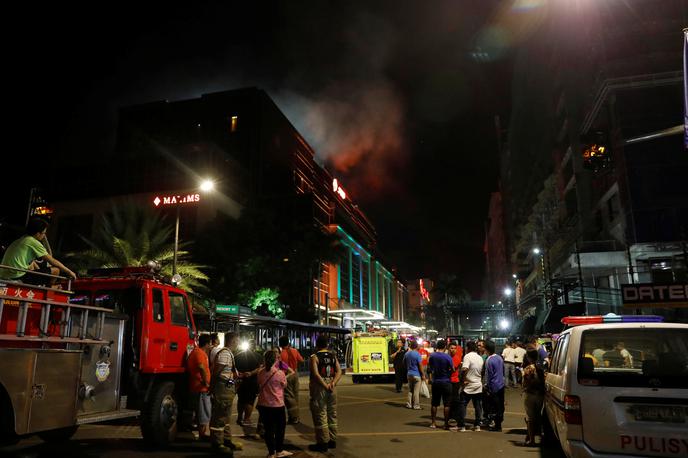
x=222 y=387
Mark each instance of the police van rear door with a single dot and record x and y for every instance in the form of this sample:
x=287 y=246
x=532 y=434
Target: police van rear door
x=634 y=397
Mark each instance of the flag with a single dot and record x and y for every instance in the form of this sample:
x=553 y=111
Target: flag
x=685 y=87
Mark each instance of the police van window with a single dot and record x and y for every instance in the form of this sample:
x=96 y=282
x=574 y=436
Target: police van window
x=158 y=306
x=178 y=309
x=561 y=357
x=555 y=356
x=637 y=357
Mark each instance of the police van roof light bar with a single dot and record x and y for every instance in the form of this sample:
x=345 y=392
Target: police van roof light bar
x=610 y=318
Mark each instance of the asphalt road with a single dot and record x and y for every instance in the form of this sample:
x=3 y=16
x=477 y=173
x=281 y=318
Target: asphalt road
x=373 y=422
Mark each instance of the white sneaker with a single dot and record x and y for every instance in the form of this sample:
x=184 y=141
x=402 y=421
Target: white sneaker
x=409 y=406
x=476 y=428
x=417 y=408
x=462 y=429
x=283 y=453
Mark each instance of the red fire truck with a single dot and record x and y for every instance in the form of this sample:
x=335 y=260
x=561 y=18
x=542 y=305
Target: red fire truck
x=108 y=346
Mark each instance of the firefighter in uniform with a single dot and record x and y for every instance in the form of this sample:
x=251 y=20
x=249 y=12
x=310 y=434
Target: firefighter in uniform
x=325 y=374
x=222 y=387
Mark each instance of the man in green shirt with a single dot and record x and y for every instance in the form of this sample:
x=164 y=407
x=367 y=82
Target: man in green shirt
x=24 y=253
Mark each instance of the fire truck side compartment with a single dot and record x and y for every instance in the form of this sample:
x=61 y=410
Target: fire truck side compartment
x=42 y=386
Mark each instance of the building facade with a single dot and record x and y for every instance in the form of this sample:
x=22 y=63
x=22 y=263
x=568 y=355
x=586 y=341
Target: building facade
x=243 y=141
x=594 y=168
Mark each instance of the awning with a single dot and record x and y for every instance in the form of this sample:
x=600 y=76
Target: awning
x=359 y=314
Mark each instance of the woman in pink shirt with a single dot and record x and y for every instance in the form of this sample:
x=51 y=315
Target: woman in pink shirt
x=271 y=382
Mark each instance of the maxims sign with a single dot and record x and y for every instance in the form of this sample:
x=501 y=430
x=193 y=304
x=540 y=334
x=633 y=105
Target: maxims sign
x=176 y=199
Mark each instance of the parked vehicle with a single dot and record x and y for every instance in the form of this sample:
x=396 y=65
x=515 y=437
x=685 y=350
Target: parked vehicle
x=618 y=386
x=114 y=347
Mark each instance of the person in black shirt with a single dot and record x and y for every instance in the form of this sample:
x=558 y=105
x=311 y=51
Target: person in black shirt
x=248 y=363
x=399 y=366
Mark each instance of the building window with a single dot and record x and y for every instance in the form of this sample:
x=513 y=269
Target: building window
x=233 y=123
x=365 y=287
x=344 y=277
x=356 y=278
x=662 y=270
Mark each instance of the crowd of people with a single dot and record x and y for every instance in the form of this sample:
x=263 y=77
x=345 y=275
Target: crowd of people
x=454 y=380
x=268 y=383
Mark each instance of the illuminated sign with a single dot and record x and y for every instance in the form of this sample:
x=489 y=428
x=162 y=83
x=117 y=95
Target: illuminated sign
x=176 y=199
x=655 y=295
x=338 y=189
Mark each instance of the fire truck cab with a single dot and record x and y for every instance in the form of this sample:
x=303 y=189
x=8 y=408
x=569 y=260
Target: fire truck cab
x=108 y=346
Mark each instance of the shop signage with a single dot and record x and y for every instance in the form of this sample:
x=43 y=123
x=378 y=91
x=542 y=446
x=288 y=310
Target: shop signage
x=655 y=295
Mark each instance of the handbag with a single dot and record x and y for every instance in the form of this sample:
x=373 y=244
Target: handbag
x=424 y=390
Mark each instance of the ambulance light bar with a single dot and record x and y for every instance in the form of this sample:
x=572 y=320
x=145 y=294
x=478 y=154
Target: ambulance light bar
x=610 y=318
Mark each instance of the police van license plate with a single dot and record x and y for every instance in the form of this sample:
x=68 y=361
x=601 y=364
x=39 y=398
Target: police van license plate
x=664 y=414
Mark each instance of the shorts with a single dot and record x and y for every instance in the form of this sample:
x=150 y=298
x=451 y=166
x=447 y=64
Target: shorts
x=203 y=408
x=441 y=391
x=32 y=278
x=247 y=390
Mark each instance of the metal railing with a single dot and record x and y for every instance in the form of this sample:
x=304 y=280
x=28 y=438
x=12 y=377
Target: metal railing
x=50 y=300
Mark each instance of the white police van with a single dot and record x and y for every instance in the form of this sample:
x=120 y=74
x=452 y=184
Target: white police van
x=618 y=386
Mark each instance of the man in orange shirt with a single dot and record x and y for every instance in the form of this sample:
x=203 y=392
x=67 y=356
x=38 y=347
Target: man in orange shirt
x=293 y=358
x=199 y=382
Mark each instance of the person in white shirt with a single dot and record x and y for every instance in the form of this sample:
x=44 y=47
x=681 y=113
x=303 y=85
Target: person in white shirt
x=471 y=375
x=625 y=354
x=519 y=355
x=509 y=356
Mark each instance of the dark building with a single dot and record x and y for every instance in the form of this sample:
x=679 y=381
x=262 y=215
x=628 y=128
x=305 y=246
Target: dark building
x=244 y=143
x=595 y=168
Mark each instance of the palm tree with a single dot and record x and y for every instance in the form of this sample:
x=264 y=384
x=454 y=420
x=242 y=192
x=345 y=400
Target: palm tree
x=131 y=236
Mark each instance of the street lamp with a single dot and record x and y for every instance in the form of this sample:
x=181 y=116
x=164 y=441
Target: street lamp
x=206 y=185
x=508 y=291
x=537 y=250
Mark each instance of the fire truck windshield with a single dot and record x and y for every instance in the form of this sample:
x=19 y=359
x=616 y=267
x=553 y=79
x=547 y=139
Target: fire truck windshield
x=119 y=300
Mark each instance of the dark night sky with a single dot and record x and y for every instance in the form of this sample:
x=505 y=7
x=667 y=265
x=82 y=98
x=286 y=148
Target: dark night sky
x=389 y=93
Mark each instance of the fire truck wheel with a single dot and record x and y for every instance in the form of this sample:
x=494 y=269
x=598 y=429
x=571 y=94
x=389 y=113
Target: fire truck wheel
x=58 y=435
x=159 y=415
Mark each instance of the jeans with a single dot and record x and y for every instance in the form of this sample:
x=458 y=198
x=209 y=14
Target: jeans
x=510 y=374
x=414 y=391
x=477 y=405
x=494 y=406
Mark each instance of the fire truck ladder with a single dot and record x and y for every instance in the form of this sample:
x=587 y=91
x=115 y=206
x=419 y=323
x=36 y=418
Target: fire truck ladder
x=68 y=312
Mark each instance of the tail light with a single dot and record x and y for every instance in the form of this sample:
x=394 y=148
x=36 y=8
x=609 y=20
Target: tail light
x=572 y=410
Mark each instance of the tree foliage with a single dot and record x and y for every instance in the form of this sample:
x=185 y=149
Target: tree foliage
x=131 y=236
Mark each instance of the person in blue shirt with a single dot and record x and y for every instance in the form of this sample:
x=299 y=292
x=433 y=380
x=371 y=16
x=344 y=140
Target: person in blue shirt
x=440 y=366
x=414 y=369
x=494 y=387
